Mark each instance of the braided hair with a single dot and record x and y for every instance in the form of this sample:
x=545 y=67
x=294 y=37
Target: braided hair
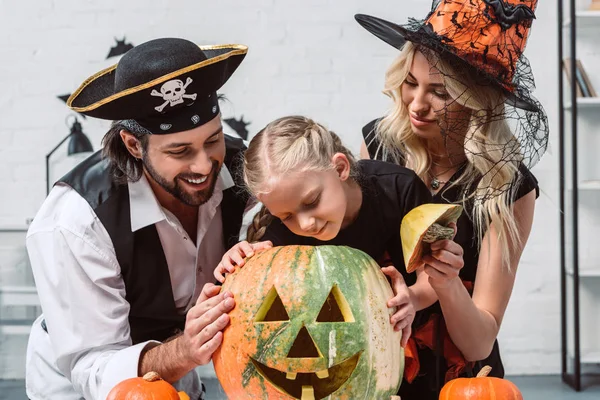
x=258 y=227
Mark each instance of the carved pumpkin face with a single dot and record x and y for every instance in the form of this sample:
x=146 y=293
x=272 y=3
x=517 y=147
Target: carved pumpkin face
x=310 y=322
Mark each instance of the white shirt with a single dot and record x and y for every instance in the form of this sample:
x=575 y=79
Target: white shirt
x=88 y=348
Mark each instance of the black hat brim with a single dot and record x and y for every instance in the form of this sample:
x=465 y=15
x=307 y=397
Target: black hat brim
x=396 y=35
x=97 y=97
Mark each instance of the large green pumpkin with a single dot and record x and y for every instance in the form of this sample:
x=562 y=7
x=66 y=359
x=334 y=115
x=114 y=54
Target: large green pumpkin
x=310 y=322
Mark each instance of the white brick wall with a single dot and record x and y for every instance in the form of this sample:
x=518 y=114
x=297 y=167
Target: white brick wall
x=307 y=57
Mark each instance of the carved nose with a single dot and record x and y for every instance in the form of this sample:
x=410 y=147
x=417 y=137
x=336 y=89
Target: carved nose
x=304 y=346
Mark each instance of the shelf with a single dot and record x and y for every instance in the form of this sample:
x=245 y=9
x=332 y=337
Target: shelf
x=585 y=102
x=590 y=185
x=586 y=272
x=590 y=358
x=18 y=296
x=585 y=19
x=18 y=327
x=579 y=39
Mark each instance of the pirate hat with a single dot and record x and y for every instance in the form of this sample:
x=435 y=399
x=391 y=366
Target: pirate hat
x=485 y=36
x=166 y=85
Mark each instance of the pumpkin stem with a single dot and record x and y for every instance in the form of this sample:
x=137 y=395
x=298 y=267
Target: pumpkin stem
x=151 y=376
x=484 y=371
x=183 y=396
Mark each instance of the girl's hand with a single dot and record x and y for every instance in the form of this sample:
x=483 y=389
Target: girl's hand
x=237 y=255
x=445 y=262
x=405 y=311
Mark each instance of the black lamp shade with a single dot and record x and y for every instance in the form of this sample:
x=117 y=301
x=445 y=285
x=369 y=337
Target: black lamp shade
x=79 y=143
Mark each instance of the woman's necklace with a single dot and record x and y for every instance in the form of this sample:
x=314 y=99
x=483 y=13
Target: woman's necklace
x=435 y=183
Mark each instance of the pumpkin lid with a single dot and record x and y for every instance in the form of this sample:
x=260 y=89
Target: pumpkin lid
x=415 y=225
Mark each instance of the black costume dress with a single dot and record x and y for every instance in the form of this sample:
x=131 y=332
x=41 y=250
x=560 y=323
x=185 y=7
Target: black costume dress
x=446 y=362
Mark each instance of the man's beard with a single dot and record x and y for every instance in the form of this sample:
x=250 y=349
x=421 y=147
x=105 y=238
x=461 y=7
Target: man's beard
x=195 y=199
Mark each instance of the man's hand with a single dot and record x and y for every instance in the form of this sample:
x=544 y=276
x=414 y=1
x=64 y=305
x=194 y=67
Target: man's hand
x=201 y=337
x=204 y=324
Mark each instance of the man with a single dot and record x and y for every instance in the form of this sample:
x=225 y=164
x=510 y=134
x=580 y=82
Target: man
x=124 y=246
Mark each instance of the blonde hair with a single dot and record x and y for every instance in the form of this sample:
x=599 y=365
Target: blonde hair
x=491 y=149
x=293 y=143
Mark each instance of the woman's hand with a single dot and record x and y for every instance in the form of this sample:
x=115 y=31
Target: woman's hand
x=405 y=310
x=445 y=262
x=237 y=255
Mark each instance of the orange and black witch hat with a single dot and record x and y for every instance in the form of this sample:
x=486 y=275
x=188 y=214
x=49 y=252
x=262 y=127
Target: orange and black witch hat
x=488 y=36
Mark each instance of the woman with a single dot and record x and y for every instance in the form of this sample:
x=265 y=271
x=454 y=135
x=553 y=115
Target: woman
x=464 y=120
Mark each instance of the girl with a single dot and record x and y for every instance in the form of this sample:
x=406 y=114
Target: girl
x=316 y=194
x=458 y=86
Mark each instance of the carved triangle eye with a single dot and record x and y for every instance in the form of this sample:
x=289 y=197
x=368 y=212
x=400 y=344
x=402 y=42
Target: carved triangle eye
x=335 y=308
x=272 y=308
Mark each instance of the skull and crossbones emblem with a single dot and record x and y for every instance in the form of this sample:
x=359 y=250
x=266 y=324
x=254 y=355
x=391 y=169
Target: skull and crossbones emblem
x=173 y=92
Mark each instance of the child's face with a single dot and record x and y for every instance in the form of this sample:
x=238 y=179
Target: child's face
x=310 y=203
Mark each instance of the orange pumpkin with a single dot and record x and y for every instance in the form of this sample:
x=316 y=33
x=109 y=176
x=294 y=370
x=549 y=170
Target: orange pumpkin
x=309 y=323
x=482 y=387
x=149 y=387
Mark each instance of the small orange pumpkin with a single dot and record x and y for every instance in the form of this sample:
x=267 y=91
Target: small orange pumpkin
x=482 y=387
x=148 y=387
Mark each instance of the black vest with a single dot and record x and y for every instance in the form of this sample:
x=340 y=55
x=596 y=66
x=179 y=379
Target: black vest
x=144 y=269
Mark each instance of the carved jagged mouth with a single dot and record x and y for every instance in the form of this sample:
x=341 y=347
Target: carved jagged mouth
x=311 y=385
